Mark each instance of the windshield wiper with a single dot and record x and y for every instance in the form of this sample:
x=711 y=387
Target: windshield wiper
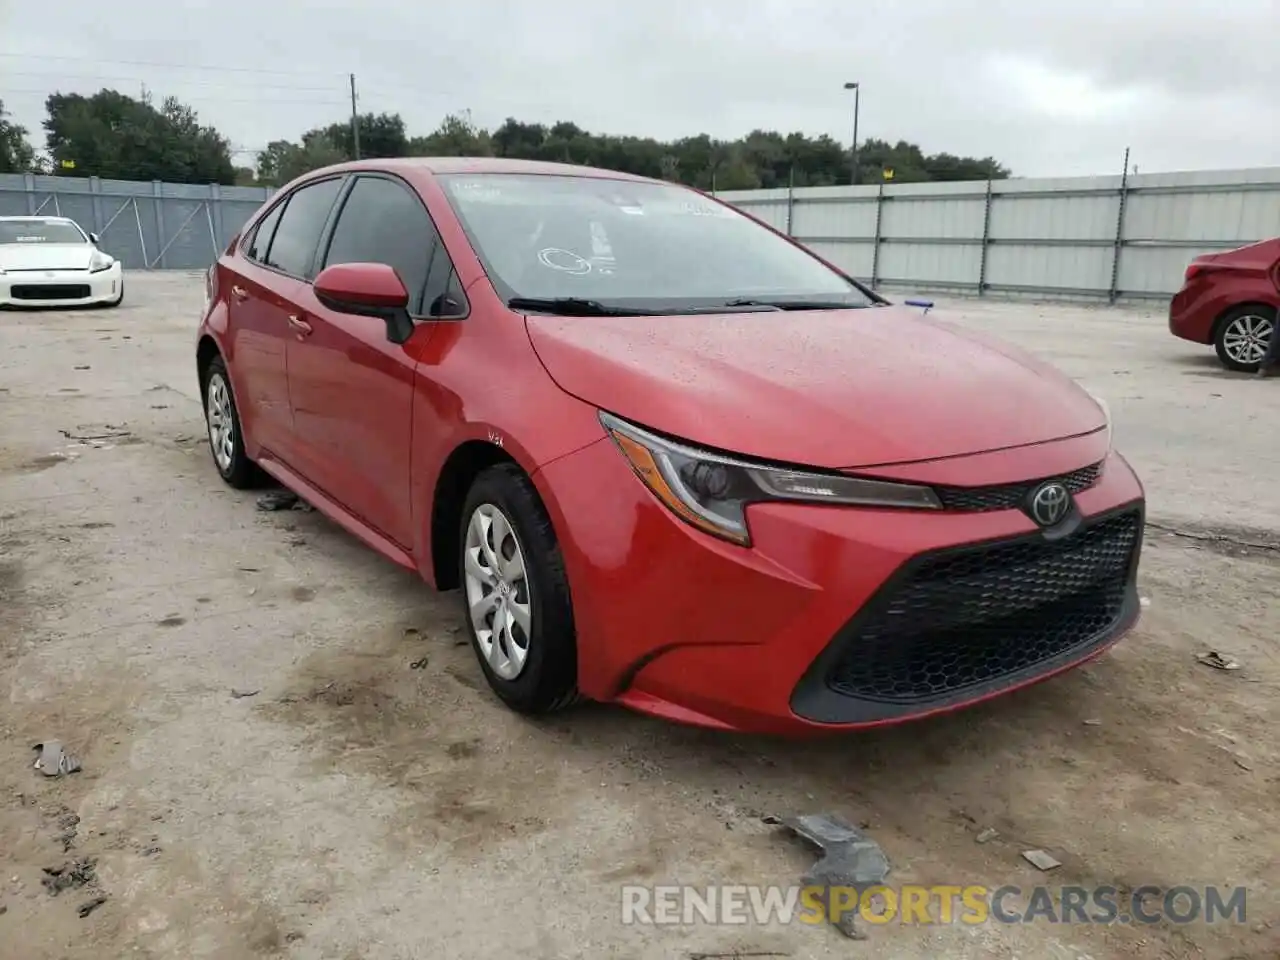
x=574 y=307
x=796 y=304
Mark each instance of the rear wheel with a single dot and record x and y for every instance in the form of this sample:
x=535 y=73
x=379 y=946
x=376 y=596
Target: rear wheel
x=516 y=593
x=1243 y=335
x=226 y=440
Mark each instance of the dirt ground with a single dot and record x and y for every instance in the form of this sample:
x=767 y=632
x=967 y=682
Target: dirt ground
x=355 y=808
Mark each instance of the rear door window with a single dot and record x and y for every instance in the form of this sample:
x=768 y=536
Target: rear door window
x=297 y=235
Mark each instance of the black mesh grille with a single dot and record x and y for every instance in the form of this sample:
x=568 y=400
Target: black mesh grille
x=1009 y=496
x=965 y=619
x=49 y=291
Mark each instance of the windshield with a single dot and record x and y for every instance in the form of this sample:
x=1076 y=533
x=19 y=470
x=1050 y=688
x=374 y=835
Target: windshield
x=621 y=243
x=40 y=231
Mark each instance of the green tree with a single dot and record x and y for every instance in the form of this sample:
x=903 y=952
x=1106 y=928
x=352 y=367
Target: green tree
x=456 y=136
x=16 y=154
x=282 y=160
x=112 y=135
x=381 y=135
x=762 y=158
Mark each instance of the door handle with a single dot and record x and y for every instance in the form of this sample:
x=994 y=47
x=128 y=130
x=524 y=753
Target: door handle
x=300 y=325
x=239 y=292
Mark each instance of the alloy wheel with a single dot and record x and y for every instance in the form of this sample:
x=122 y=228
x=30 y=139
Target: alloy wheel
x=222 y=424
x=497 y=586
x=1246 y=337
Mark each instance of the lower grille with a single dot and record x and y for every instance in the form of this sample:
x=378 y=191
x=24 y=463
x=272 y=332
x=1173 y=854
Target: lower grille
x=49 y=291
x=966 y=618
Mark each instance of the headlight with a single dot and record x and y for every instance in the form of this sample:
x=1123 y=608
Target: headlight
x=711 y=491
x=99 y=262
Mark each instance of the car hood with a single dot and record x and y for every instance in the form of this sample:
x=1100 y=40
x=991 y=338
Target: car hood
x=835 y=389
x=45 y=256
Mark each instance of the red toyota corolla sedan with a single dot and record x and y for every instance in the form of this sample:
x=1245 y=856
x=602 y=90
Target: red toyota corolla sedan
x=1230 y=300
x=672 y=459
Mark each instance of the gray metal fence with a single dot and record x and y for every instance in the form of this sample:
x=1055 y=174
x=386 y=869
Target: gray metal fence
x=153 y=226
x=1118 y=237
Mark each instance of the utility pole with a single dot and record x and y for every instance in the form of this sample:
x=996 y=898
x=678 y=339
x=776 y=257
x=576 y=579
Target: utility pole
x=355 y=120
x=857 y=90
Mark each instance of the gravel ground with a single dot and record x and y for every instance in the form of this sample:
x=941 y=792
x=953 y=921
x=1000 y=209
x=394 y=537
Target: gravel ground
x=353 y=807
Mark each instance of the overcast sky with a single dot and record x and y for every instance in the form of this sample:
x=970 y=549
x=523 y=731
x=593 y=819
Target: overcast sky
x=1047 y=87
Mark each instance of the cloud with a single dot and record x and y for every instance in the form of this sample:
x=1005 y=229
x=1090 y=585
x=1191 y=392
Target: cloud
x=1049 y=88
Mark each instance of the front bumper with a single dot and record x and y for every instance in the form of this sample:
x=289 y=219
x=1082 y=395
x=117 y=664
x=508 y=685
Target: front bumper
x=839 y=617
x=60 y=288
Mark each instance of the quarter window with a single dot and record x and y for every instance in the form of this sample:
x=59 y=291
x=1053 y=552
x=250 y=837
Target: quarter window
x=261 y=242
x=294 y=245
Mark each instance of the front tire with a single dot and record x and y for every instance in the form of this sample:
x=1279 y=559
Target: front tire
x=226 y=439
x=516 y=594
x=1242 y=337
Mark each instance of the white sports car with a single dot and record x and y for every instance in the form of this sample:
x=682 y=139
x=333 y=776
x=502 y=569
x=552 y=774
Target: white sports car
x=51 y=262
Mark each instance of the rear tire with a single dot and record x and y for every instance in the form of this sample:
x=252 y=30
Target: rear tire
x=222 y=422
x=513 y=577
x=1242 y=336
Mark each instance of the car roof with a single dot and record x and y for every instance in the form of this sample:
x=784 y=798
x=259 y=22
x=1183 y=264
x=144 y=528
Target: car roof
x=36 y=218
x=480 y=165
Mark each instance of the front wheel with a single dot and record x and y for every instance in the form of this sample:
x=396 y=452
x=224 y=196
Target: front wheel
x=516 y=593
x=1243 y=336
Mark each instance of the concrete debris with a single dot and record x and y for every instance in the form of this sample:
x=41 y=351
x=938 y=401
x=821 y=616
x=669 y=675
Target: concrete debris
x=277 y=500
x=69 y=876
x=987 y=835
x=1041 y=860
x=1219 y=661
x=54 y=760
x=850 y=859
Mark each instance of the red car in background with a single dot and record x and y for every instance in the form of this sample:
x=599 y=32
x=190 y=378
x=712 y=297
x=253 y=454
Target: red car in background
x=1231 y=300
x=672 y=459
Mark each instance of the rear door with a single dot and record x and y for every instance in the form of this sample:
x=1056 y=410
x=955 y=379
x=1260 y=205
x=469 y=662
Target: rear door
x=258 y=355
x=277 y=261
x=351 y=388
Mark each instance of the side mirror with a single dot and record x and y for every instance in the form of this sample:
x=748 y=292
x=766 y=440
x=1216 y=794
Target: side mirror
x=95 y=239
x=367 y=290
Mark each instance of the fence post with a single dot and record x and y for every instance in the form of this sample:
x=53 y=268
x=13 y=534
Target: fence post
x=875 y=242
x=791 y=198
x=1115 y=254
x=218 y=228
x=95 y=190
x=29 y=186
x=157 y=193
x=986 y=242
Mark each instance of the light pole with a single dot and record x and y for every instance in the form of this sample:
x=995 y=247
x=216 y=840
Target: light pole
x=856 y=91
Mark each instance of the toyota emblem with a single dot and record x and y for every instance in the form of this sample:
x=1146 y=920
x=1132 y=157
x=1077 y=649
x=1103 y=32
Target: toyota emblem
x=1050 y=503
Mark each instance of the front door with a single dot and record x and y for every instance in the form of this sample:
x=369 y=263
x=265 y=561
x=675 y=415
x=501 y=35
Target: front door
x=350 y=388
